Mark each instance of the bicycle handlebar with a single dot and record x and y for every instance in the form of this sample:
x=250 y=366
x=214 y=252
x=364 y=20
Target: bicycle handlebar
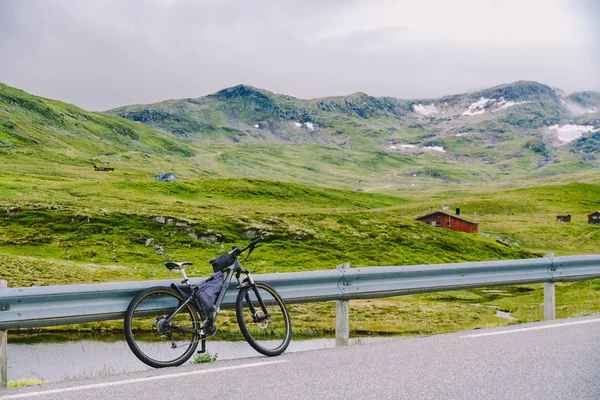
x=236 y=252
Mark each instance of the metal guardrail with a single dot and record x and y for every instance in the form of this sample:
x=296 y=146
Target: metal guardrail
x=32 y=307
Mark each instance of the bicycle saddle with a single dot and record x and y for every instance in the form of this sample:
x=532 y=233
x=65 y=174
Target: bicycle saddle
x=177 y=265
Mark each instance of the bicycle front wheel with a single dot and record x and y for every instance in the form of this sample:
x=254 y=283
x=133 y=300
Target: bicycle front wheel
x=154 y=338
x=263 y=319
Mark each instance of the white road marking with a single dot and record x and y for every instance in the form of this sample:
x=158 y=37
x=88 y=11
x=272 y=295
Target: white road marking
x=535 y=328
x=137 y=380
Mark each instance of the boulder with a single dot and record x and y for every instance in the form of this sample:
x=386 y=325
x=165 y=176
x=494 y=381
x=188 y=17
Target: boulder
x=167 y=177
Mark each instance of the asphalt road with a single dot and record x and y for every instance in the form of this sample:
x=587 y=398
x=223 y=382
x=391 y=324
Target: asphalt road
x=548 y=360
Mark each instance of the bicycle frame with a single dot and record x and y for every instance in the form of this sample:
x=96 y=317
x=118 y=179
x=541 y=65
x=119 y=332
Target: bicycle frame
x=234 y=269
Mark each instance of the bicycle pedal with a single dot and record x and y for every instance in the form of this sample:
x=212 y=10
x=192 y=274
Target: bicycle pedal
x=211 y=333
x=209 y=330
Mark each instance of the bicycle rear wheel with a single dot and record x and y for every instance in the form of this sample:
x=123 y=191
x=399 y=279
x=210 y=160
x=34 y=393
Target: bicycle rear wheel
x=266 y=327
x=154 y=340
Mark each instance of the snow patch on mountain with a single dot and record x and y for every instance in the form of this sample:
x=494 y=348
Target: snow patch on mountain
x=425 y=109
x=569 y=132
x=309 y=125
x=478 y=107
x=435 y=148
x=505 y=104
x=415 y=147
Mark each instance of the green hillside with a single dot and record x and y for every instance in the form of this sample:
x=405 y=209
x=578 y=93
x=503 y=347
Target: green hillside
x=337 y=193
x=318 y=203
x=42 y=138
x=32 y=123
x=493 y=134
x=58 y=210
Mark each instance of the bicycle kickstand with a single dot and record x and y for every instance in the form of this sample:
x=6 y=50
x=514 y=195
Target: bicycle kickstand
x=203 y=341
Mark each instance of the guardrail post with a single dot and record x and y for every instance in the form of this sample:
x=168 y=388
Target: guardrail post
x=549 y=297
x=3 y=349
x=549 y=301
x=342 y=317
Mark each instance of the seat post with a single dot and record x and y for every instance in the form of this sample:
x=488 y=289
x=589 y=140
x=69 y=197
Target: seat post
x=185 y=278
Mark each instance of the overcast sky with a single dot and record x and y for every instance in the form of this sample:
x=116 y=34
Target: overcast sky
x=100 y=54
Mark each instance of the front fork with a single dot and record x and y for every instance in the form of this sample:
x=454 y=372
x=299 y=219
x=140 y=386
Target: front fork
x=255 y=316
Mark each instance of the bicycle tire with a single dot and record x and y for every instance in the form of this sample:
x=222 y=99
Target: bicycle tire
x=269 y=336
x=155 y=342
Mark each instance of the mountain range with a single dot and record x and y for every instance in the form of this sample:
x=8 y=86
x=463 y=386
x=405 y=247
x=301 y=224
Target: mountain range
x=523 y=129
x=541 y=117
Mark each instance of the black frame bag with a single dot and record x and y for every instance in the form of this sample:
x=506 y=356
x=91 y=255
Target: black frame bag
x=209 y=291
x=224 y=261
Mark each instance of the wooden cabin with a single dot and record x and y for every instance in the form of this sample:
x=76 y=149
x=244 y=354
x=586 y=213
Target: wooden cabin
x=563 y=218
x=103 y=168
x=448 y=221
x=594 y=218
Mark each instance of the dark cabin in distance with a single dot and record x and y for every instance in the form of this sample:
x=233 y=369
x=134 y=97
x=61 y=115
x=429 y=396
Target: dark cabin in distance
x=448 y=221
x=594 y=218
x=563 y=218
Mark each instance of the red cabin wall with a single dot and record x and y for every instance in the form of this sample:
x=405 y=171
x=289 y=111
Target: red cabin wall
x=455 y=223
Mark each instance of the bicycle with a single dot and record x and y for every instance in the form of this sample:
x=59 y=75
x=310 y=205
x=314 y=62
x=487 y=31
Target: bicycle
x=164 y=325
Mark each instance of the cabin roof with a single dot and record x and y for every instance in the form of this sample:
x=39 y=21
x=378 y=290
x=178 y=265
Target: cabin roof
x=450 y=215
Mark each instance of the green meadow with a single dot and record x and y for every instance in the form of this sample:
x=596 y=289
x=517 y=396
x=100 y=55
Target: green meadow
x=318 y=205
x=106 y=226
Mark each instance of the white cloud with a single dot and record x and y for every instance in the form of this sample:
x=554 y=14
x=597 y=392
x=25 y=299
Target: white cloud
x=469 y=21
x=108 y=53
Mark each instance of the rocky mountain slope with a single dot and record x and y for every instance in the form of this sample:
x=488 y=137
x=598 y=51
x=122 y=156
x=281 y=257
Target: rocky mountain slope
x=501 y=122
x=518 y=131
